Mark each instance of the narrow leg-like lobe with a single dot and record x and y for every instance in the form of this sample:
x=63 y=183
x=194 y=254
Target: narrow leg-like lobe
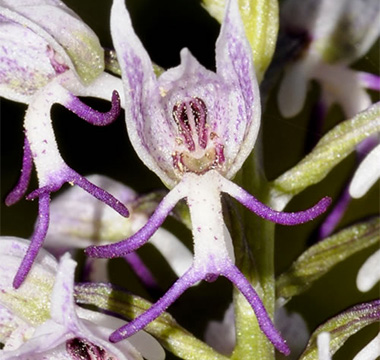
x=233 y=274
x=178 y=288
x=20 y=189
x=36 y=240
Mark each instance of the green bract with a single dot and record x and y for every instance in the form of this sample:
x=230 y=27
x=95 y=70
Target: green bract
x=320 y=258
x=336 y=145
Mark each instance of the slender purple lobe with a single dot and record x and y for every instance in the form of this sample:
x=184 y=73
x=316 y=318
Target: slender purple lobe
x=283 y=218
x=36 y=240
x=233 y=274
x=92 y=116
x=177 y=289
x=27 y=165
x=143 y=235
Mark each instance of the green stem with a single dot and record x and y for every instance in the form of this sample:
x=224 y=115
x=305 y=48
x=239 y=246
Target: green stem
x=256 y=261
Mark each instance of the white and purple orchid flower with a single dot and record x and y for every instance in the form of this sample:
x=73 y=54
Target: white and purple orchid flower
x=194 y=128
x=338 y=33
x=47 y=56
x=45 y=323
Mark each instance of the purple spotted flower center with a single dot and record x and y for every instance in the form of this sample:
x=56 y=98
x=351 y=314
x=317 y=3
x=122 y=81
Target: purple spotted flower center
x=81 y=349
x=200 y=148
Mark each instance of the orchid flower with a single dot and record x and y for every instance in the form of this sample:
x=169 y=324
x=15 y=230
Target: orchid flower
x=339 y=33
x=194 y=128
x=78 y=220
x=48 y=55
x=49 y=324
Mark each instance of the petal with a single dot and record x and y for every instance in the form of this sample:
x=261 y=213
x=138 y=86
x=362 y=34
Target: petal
x=146 y=344
x=79 y=220
x=25 y=64
x=63 y=312
x=323 y=341
x=366 y=175
x=31 y=301
x=369 y=273
x=342 y=86
x=173 y=250
x=75 y=38
x=234 y=64
x=141 y=91
x=293 y=89
x=371 y=351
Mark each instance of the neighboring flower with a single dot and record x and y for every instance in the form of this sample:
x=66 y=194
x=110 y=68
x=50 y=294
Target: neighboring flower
x=337 y=33
x=46 y=323
x=194 y=128
x=78 y=220
x=48 y=55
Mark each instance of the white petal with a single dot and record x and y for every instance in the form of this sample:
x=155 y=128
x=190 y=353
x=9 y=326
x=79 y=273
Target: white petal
x=371 y=351
x=367 y=174
x=323 y=342
x=369 y=273
x=293 y=89
x=173 y=250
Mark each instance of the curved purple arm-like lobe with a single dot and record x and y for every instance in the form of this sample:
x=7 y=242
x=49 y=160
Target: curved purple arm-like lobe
x=234 y=64
x=143 y=235
x=278 y=217
x=92 y=116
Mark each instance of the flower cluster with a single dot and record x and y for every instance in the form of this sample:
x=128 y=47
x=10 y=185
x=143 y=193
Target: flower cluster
x=200 y=132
